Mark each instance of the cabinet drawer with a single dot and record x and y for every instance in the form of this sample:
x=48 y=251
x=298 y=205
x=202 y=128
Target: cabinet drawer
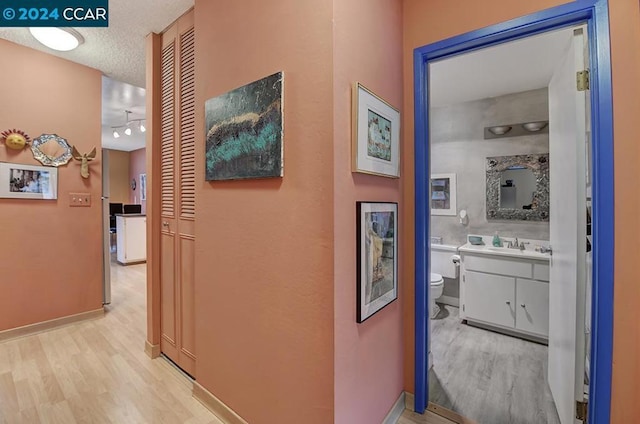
x=490 y=298
x=532 y=306
x=498 y=266
x=541 y=272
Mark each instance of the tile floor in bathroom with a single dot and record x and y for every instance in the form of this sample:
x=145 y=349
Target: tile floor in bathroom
x=488 y=377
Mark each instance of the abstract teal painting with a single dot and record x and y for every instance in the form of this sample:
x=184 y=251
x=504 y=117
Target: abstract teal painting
x=244 y=132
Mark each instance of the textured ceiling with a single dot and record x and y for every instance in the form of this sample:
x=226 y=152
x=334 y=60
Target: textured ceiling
x=119 y=50
x=521 y=65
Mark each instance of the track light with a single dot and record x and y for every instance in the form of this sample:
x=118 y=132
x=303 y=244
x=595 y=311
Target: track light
x=127 y=125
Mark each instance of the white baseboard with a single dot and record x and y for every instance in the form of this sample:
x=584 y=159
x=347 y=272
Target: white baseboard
x=450 y=300
x=398 y=408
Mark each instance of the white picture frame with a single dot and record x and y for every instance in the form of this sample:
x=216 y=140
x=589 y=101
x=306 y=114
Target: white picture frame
x=143 y=187
x=376 y=134
x=20 y=181
x=442 y=194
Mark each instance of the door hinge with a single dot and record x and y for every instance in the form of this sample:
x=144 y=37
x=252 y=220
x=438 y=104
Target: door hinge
x=581 y=410
x=582 y=80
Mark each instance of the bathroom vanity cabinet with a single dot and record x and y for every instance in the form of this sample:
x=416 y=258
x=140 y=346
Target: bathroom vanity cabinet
x=507 y=291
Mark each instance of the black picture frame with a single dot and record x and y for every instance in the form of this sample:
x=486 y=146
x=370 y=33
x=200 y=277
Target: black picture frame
x=377 y=257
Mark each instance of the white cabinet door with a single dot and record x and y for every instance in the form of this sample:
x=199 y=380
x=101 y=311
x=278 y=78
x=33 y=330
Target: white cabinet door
x=490 y=298
x=532 y=306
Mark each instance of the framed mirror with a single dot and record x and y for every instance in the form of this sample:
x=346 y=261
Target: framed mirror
x=51 y=150
x=518 y=187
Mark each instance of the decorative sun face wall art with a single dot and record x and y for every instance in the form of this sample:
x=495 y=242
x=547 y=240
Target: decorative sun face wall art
x=15 y=139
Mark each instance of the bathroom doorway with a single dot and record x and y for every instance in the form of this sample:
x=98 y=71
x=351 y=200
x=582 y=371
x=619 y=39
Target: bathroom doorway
x=602 y=213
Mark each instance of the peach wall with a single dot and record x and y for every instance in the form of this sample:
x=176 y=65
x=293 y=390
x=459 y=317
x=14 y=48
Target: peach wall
x=137 y=166
x=119 y=163
x=51 y=264
x=264 y=248
x=428 y=22
x=625 y=45
x=368 y=356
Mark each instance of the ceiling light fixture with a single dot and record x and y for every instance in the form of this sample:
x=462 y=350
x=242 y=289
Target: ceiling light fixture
x=500 y=130
x=516 y=130
x=60 y=39
x=127 y=125
x=534 y=126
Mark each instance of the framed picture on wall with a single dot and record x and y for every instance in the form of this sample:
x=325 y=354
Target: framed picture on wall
x=376 y=134
x=143 y=186
x=20 y=181
x=442 y=192
x=377 y=249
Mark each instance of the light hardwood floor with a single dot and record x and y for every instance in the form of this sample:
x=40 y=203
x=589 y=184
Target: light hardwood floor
x=488 y=377
x=409 y=417
x=96 y=371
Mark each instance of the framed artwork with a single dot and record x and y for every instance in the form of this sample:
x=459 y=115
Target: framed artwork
x=244 y=131
x=143 y=186
x=377 y=249
x=376 y=135
x=443 y=194
x=20 y=181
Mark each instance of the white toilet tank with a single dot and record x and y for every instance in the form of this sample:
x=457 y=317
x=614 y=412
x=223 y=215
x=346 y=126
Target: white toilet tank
x=442 y=260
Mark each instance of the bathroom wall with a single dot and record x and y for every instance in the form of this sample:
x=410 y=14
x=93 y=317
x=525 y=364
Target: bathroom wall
x=458 y=146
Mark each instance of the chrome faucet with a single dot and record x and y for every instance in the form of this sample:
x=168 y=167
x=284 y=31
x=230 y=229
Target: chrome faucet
x=514 y=244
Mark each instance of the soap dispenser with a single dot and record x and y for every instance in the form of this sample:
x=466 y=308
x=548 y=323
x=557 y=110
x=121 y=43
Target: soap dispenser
x=496 y=240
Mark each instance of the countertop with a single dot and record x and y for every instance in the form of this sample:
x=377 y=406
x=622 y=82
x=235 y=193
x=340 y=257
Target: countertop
x=504 y=251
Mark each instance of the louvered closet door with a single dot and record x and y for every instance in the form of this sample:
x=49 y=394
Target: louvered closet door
x=178 y=194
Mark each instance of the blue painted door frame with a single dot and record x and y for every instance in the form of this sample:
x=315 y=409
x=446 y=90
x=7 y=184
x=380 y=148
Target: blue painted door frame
x=595 y=13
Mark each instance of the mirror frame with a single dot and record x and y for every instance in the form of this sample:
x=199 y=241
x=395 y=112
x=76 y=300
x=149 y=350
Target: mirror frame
x=44 y=158
x=539 y=165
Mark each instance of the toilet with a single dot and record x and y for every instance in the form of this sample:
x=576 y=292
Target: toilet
x=442 y=265
x=437 y=287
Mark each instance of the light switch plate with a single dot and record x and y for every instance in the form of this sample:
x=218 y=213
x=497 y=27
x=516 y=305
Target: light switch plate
x=79 y=199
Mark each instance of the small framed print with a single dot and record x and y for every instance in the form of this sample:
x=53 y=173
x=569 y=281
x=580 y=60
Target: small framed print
x=18 y=181
x=376 y=134
x=143 y=187
x=377 y=245
x=442 y=192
